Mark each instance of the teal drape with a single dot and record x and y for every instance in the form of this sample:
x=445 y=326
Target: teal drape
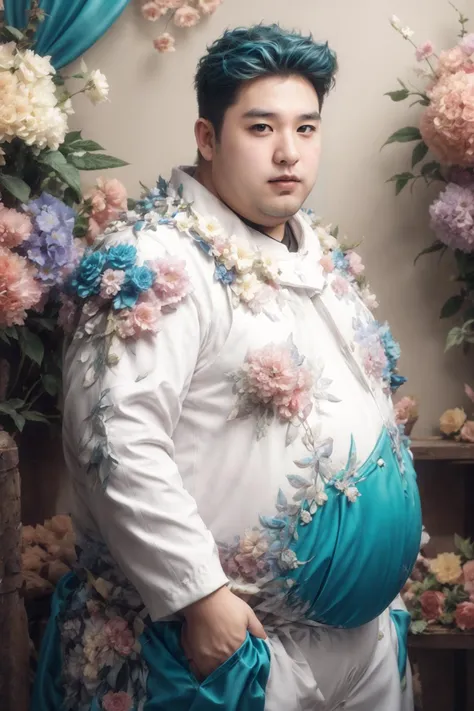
x=71 y=26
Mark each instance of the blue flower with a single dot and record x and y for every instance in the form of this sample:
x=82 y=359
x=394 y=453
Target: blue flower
x=122 y=256
x=396 y=381
x=86 y=280
x=45 y=208
x=224 y=275
x=390 y=345
x=339 y=260
x=137 y=280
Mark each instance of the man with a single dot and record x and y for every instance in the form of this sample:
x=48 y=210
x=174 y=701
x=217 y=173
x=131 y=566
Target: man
x=246 y=513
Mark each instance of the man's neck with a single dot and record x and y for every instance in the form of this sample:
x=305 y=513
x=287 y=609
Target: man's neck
x=203 y=176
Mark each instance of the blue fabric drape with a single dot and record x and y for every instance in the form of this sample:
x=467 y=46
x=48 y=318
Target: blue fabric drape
x=71 y=26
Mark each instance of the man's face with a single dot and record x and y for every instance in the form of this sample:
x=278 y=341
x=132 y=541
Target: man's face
x=266 y=160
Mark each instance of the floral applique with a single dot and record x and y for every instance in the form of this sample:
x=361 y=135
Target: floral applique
x=100 y=631
x=102 y=460
x=119 y=300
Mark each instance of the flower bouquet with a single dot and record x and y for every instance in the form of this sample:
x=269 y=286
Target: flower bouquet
x=440 y=591
x=444 y=154
x=44 y=217
x=454 y=423
x=182 y=13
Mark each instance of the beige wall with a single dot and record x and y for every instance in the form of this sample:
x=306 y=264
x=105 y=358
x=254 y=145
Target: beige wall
x=149 y=122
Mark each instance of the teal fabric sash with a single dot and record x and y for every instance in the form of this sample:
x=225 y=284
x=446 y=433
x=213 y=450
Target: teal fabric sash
x=401 y=620
x=71 y=26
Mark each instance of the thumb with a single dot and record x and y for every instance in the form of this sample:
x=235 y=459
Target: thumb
x=255 y=627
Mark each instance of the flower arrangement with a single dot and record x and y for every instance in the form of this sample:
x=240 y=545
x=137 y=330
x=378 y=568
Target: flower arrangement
x=406 y=413
x=444 y=149
x=440 y=591
x=454 y=423
x=181 y=13
x=45 y=220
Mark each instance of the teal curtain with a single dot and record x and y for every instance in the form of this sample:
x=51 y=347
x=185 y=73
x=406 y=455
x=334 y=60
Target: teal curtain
x=71 y=26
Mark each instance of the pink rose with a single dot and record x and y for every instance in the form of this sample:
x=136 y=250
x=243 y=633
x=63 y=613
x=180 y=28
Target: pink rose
x=165 y=43
x=432 y=604
x=467 y=431
x=119 y=636
x=186 y=16
x=355 y=263
x=327 y=263
x=468 y=574
x=465 y=615
x=152 y=11
x=424 y=51
x=119 y=701
x=340 y=286
x=15 y=227
x=172 y=282
x=115 y=193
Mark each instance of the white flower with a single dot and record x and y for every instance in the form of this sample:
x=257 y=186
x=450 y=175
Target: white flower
x=184 y=222
x=369 y=299
x=406 y=32
x=352 y=493
x=32 y=66
x=305 y=516
x=7 y=55
x=238 y=254
x=425 y=538
x=326 y=240
x=247 y=286
x=97 y=86
x=208 y=227
x=395 y=22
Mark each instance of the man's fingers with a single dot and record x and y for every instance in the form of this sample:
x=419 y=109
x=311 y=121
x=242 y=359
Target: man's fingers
x=255 y=627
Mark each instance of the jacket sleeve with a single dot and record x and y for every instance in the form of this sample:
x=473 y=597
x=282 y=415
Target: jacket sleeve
x=118 y=438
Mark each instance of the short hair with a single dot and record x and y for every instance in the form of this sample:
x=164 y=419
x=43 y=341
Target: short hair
x=248 y=53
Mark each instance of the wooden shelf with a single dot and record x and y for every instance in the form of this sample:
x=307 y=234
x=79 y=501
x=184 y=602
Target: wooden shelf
x=439 y=449
x=442 y=638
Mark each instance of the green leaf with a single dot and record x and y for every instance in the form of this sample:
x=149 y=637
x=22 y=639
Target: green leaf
x=89 y=161
x=32 y=345
x=11 y=332
x=85 y=145
x=435 y=247
x=72 y=136
x=423 y=102
x=418 y=627
x=399 y=95
x=18 y=419
x=131 y=204
x=431 y=171
x=15 y=186
x=14 y=33
x=4 y=338
x=400 y=180
x=50 y=384
x=455 y=337
x=419 y=152
x=47 y=324
x=65 y=171
x=465 y=546
x=34 y=416
x=404 y=135
x=452 y=306
x=15 y=403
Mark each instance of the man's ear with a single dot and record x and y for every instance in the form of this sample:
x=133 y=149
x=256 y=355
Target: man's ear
x=205 y=138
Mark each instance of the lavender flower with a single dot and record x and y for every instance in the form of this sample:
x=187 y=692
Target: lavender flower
x=50 y=246
x=452 y=217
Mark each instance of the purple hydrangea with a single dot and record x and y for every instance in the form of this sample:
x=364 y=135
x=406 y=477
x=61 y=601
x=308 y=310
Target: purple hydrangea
x=452 y=217
x=50 y=246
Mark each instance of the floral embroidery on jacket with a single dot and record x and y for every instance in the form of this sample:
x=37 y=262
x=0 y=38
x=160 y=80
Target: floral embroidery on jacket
x=102 y=460
x=121 y=300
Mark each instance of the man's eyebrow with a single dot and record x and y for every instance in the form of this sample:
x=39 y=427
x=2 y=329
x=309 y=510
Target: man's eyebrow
x=262 y=113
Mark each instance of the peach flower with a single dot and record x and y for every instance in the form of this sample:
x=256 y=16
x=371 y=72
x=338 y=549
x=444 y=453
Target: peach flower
x=19 y=290
x=152 y=11
x=447 y=568
x=165 y=43
x=465 y=615
x=432 y=604
x=119 y=636
x=15 y=227
x=452 y=421
x=468 y=574
x=186 y=16
x=424 y=51
x=467 y=432
x=327 y=263
x=208 y=7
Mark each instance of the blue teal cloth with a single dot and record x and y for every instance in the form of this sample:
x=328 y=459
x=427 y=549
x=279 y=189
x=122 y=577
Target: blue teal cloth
x=358 y=555
x=71 y=26
x=401 y=620
x=237 y=685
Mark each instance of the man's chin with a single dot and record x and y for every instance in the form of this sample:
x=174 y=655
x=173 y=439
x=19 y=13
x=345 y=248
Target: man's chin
x=284 y=210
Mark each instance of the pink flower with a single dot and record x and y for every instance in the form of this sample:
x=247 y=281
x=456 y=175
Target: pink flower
x=19 y=290
x=327 y=263
x=467 y=44
x=375 y=361
x=67 y=313
x=142 y=318
x=208 y=7
x=465 y=615
x=299 y=401
x=186 y=16
x=15 y=227
x=152 y=11
x=93 y=231
x=112 y=280
x=270 y=371
x=253 y=545
x=454 y=60
x=340 y=286
x=447 y=124
x=424 y=51
x=467 y=431
x=165 y=43
x=468 y=575
x=172 y=282
x=117 y=701
x=469 y=392
x=432 y=604
x=404 y=410
x=108 y=199
x=355 y=263
x=119 y=636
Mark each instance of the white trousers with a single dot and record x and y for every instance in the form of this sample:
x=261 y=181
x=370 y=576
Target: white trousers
x=327 y=669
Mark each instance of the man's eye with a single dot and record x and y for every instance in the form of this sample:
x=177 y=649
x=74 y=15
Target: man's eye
x=307 y=129
x=260 y=127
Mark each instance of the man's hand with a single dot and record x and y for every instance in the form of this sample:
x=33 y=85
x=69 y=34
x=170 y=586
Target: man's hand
x=215 y=627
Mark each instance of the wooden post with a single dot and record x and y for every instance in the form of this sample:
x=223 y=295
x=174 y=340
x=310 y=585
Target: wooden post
x=14 y=639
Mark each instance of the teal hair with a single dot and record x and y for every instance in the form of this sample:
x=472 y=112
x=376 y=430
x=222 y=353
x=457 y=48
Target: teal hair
x=249 y=53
